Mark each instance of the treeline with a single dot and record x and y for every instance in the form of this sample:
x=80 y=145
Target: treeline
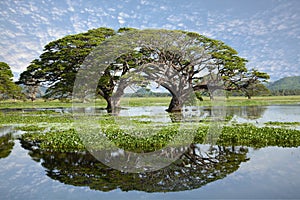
x=285 y=86
x=146 y=92
x=152 y=94
x=285 y=92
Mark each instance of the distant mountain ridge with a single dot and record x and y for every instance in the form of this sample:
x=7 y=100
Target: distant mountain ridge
x=286 y=83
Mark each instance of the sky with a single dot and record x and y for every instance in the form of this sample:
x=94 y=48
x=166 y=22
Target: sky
x=265 y=32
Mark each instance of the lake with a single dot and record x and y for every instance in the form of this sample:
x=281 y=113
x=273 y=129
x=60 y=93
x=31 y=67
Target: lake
x=229 y=172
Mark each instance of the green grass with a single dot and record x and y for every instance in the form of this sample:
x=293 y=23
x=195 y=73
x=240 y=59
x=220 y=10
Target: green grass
x=159 y=101
x=33 y=104
x=145 y=101
x=243 y=101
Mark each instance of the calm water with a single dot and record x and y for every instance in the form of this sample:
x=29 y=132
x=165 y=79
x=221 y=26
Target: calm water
x=234 y=172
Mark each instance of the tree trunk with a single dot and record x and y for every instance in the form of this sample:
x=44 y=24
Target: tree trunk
x=113 y=105
x=175 y=105
x=211 y=96
x=109 y=106
x=116 y=98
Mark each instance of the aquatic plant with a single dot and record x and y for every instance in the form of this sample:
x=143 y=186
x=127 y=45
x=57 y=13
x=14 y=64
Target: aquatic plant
x=30 y=128
x=240 y=135
x=27 y=118
x=275 y=123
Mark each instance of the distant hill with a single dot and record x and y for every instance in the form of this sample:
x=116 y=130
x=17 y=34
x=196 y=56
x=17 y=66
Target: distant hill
x=286 y=83
x=285 y=86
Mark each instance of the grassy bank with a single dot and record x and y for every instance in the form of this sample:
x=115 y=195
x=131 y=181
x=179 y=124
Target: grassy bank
x=159 y=101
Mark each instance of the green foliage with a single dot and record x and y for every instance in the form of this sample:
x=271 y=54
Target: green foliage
x=8 y=89
x=58 y=65
x=62 y=141
x=199 y=95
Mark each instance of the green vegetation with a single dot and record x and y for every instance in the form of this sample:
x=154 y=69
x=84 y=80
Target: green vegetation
x=283 y=123
x=157 y=101
x=286 y=86
x=251 y=136
x=9 y=104
x=269 y=100
x=33 y=128
x=63 y=141
x=17 y=118
x=145 y=101
x=8 y=89
x=237 y=135
x=58 y=64
x=50 y=130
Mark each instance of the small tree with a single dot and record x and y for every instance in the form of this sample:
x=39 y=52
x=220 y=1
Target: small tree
x=251 y=83
x=8 y=89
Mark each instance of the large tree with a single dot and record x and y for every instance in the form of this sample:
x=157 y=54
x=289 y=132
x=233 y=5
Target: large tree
x=176 y=60
x=8 y=89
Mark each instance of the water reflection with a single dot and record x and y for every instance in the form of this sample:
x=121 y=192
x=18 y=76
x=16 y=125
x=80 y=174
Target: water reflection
x=159 y=113
x=220 y=113
x=194 y=169
x=246 y=112
x=6 y=144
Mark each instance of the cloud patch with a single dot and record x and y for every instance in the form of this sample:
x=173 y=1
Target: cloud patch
x=267 y=33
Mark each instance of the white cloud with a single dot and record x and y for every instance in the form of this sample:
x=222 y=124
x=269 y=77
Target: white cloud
x=145 y=2
x=268 y=35
x=70 y=6
x=111 y=9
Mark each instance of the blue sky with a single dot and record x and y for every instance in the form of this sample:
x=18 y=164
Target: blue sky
x=266 y=32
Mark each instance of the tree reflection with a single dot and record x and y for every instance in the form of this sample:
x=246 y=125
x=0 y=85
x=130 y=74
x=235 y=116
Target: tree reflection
x=6 y=145
x=247 y=112
x=194 y=169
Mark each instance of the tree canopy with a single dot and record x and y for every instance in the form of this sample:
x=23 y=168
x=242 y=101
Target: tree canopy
x=8 y=89
x=57 y=66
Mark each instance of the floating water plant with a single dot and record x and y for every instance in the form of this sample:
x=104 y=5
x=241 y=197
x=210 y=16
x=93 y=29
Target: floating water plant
x=242 y=135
